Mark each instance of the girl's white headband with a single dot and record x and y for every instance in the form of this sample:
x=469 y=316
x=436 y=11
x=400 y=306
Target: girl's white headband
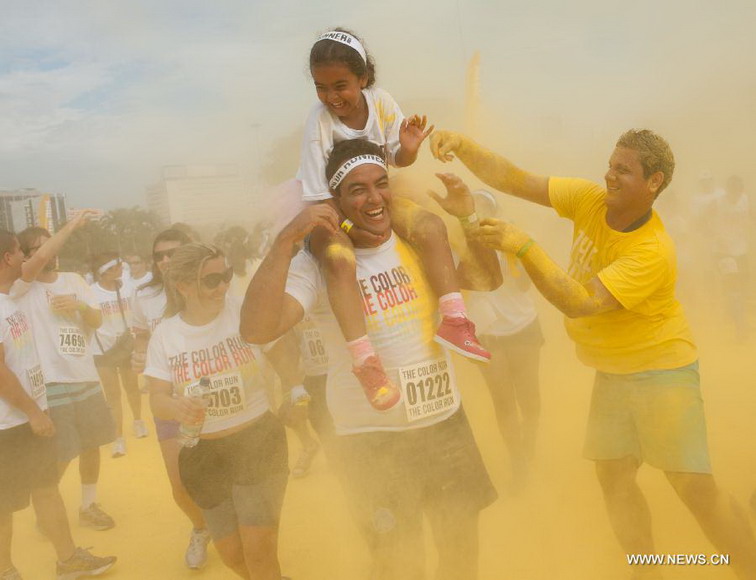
x=347 y=39
x=350 y=164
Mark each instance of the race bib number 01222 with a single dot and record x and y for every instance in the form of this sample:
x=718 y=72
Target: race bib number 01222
x=427 y=388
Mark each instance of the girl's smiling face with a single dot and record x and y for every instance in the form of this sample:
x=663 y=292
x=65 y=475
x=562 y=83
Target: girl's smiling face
x=340 y=90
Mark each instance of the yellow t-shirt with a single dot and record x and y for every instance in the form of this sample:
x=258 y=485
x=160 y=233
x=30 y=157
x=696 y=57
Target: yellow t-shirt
x=639 y=269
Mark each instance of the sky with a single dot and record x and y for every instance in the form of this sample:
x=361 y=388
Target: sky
x=96 y=97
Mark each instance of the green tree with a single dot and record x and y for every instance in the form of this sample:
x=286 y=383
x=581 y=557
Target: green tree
x=123 y=230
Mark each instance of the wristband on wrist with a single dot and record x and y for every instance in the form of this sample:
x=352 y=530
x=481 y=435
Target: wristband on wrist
x=347 y=225
x=525 y=248
x=81 y=307
x=469 y=221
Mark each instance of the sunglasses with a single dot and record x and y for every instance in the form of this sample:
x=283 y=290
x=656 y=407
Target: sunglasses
x=212 y=281
x=158 y=256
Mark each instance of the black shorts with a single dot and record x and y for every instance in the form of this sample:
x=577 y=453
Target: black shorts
x=252 y=462
x=27 y=462
x=392 y=478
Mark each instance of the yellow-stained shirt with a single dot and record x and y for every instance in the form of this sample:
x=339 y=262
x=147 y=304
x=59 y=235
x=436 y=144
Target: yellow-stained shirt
x=639 y=269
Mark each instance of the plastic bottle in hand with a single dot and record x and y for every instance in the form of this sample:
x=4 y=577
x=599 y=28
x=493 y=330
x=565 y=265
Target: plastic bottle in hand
x=189 y=432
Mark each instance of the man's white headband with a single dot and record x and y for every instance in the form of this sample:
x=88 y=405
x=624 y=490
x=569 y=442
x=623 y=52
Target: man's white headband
x=107 y=266
x=350 y=164
x=345 y=38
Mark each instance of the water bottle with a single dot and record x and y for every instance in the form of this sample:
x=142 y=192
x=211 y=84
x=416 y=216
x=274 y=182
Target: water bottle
x=189 y=432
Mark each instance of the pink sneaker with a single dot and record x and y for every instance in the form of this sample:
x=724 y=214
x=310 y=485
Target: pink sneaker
x=379 y=390
x=458 y=334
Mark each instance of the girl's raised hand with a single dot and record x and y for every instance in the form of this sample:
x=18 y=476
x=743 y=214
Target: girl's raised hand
x=412 y=133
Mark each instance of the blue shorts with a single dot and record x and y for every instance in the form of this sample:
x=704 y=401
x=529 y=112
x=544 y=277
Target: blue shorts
x=82 y=418
x=655 y=416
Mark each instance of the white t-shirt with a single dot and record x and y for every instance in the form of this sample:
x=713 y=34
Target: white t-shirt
x=401 y=314
x=324 y=129
x=63 y=344
x=504 y=311
x=22 y=360
x=112 y=321
x=149 y=306
x=182 y=354
x=131 y=285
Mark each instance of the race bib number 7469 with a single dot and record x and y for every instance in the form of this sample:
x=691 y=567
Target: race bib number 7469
x=427 y=388
x=72 y=341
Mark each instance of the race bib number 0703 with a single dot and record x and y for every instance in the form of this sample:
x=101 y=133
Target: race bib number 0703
x=427 y=388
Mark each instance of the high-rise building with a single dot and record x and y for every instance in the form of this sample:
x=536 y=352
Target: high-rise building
x=22 y=208
x=201 y=195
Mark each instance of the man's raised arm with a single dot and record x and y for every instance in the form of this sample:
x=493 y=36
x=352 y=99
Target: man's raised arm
x=267 y=311
x=491 y=168
x=479 y=265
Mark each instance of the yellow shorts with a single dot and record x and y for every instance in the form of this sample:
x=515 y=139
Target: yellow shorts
x=655 y=416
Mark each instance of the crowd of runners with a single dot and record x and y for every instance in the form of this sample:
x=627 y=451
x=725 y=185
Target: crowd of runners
x=342 y=329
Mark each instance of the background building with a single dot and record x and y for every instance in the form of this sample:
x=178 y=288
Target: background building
x=201 y=195
x=22 y=208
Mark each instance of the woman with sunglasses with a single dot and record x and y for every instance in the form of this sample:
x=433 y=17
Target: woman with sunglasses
x=111 y=347
x=238 y=469
x=149 y=307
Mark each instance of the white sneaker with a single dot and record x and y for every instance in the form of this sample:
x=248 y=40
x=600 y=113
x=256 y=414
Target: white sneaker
x=119 y=448
x=196 y=552
x=140 y=429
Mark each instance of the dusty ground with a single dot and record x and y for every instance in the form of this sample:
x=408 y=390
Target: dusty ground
x=557 y=529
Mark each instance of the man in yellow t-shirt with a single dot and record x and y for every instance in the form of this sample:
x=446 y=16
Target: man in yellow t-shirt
x=618 y=296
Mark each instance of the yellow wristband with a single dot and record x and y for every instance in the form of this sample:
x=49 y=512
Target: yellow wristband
x=347 y=225
x=525 y=247
x=81 y=307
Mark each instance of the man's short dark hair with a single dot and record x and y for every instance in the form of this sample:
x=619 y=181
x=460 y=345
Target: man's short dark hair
x=345 y=150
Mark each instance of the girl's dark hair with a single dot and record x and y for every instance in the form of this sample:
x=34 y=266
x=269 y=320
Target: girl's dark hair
x=344 y=150
x=329 y=52
x=170 y=235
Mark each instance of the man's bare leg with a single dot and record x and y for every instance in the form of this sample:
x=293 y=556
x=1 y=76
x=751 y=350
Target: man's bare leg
x=720 y=517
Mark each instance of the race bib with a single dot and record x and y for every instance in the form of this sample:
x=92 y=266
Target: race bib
x=225 y=396
x=71 y=341
x=313 y=347
x=427 y=388
x=37 y=382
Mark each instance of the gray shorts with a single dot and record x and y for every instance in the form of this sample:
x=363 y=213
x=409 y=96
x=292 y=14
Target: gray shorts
x=393 y=479
x=82 y=418
x=655 y=416
x=240 y=479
